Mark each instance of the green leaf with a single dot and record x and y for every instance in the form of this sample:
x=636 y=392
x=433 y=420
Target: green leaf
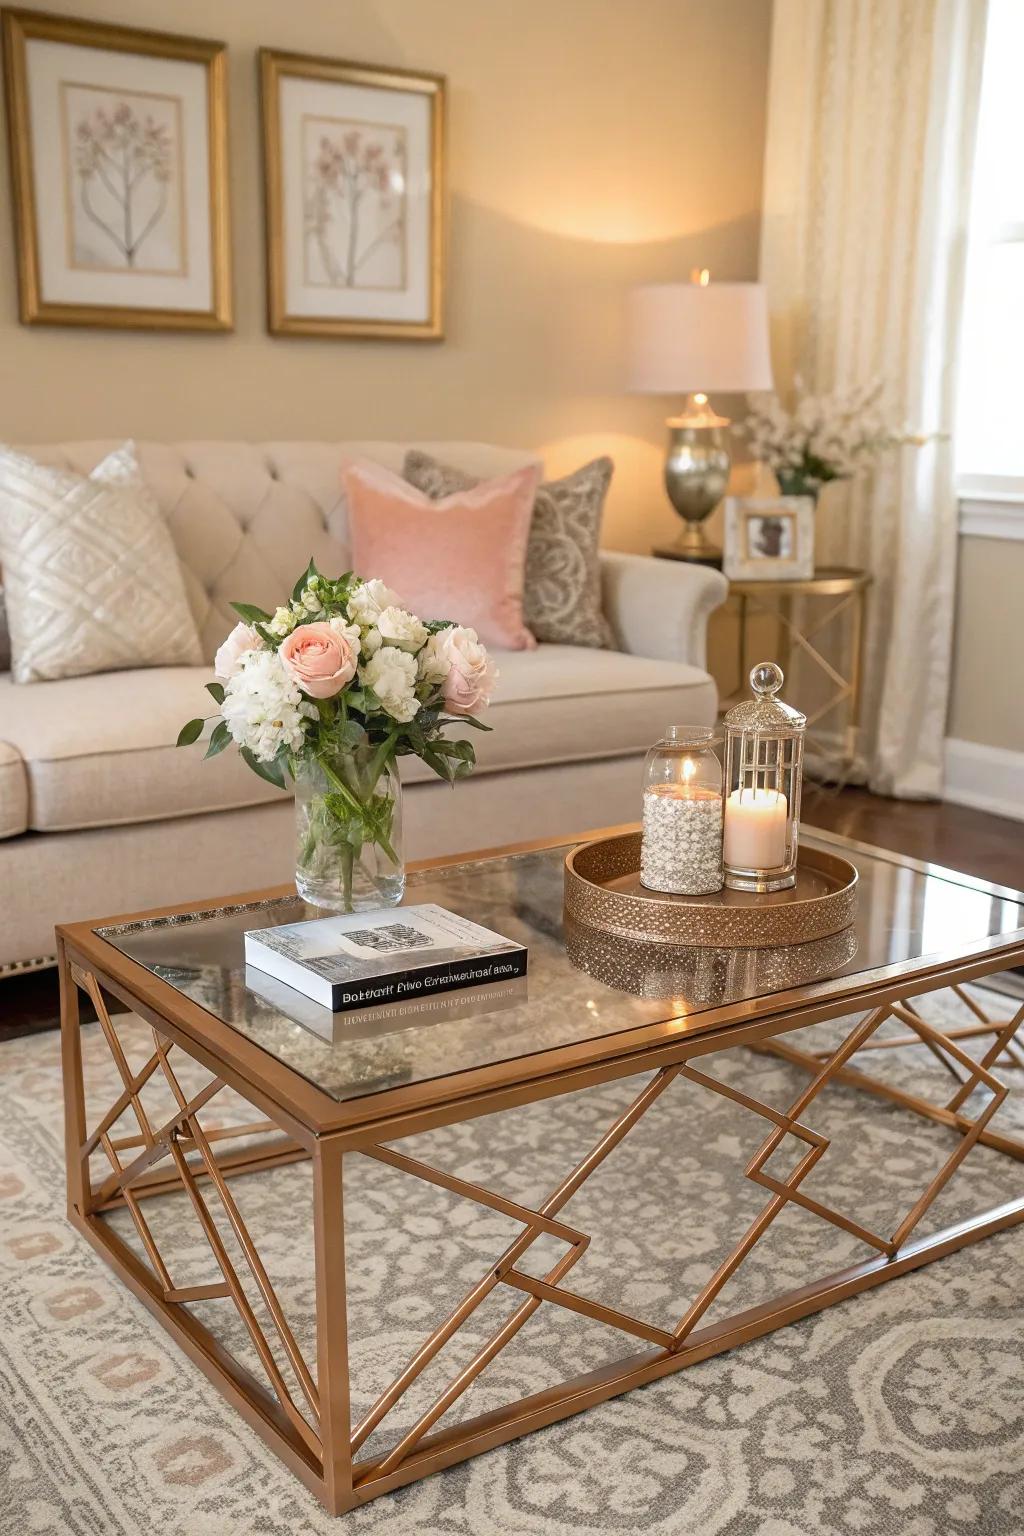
x=190 y=733
x=363 y=699
x=462 y=751
x=441 y=765
x=477 y=725
x=434 y=626
x=271 y=641
x=220 y=739
x=251 y=614
x=381 y=753
x=310 y=570
x=273 y=771
x=349 y=733
x=216 y=691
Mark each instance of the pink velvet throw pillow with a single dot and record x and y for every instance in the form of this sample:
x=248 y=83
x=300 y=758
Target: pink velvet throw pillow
x=462 y=557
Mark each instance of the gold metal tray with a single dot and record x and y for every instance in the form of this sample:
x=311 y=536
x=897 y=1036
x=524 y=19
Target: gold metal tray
x=603 y=890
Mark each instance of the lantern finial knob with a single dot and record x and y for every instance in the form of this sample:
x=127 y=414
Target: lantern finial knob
x=766 y=679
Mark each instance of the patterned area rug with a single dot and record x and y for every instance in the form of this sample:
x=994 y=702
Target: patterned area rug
x=900 y=1411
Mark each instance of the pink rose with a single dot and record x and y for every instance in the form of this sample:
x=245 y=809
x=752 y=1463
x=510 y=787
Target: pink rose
x=319 y=658
x=229 y=658
x=471 y=673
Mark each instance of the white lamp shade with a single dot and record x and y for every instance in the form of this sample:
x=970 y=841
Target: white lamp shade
x=686 y=337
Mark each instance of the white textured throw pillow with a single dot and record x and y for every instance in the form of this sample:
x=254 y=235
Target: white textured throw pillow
x=91 y=578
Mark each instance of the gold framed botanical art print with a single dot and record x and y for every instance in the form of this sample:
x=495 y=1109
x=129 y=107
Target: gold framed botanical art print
x=118 y=142
x=354 y=168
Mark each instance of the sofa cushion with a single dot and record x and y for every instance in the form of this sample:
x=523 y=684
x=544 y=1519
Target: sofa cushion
x=569 y=703
x=245 y=517
x=13 y=792
x=99 y=751
x=92 y=582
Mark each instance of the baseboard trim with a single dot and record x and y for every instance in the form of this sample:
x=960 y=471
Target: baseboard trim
x=987 y=778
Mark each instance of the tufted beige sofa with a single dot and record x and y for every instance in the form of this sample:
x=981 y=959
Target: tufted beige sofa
x=100 y=814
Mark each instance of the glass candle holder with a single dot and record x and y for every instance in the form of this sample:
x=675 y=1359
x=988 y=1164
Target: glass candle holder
x=681 y=847
x=763 y=775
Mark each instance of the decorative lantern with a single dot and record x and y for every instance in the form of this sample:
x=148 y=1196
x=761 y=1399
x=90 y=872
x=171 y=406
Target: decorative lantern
x=763 y=774
x=681 y=848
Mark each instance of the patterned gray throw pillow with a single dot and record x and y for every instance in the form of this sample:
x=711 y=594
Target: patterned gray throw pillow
x=562 y=596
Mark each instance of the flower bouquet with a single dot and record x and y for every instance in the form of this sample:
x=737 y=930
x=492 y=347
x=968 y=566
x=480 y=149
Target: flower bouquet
x=823 y=438
x=331 y=689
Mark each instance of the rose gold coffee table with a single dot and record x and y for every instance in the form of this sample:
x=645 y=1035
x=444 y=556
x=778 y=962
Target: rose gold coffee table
x=920 y=929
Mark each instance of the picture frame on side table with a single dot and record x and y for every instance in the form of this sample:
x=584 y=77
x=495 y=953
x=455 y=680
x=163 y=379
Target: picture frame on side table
x=769 y=539
x=118 y=145
x=354 y=177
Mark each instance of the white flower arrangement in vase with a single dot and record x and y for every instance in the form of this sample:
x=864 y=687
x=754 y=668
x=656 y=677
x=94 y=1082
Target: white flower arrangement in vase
x=331 y=689
x=823 y=438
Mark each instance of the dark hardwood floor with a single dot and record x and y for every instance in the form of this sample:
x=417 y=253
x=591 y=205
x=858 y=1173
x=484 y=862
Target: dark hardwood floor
x=972 y=841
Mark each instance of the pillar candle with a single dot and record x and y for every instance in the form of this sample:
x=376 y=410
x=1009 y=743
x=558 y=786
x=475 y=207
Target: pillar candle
x=755 y=829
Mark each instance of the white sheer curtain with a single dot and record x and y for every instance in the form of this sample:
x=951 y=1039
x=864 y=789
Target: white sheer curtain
x=872 y=112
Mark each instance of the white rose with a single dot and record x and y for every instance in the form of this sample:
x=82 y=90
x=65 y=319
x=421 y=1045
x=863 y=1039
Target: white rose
x=348 y=632
x=398 y=627
x=242 y=639
x=391 y=674
x=368 y=602
x=457 y=660
x=282 y=623
x=263 y=708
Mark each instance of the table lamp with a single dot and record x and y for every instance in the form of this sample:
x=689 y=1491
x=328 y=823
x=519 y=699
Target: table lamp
x=689 y=339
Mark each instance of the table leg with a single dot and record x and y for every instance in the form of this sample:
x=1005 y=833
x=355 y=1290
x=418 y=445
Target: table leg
x=741 y=681
x=857 y=628
x=79 y=1190
x=332 y=1326
x=785 y=633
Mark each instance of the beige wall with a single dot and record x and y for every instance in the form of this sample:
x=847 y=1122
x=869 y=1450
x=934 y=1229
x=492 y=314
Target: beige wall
x=987 y=703
x=593 y=144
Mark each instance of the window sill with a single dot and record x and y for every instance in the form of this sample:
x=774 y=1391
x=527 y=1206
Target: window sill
x=992 y=515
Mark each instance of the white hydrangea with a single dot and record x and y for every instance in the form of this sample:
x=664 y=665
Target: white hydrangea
x=398 y=627
x=368 y=602
x=434 y=662
x=263 y=708
x=348 y=632
x=391 y=674
x=282 y=623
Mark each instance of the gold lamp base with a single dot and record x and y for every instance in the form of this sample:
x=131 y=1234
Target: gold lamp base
x=692 y=544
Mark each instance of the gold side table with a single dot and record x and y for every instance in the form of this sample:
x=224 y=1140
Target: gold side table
x=833 y=592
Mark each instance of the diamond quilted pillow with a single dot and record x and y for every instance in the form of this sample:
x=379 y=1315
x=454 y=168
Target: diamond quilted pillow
x=91 y=578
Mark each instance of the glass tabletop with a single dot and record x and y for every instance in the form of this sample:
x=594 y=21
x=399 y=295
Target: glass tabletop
x=579 y=986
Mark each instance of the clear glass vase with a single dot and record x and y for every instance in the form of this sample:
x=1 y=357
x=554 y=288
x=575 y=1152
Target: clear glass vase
x=348 y=832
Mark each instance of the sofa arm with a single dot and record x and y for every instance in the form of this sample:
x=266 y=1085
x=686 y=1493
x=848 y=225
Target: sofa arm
x=660 y=608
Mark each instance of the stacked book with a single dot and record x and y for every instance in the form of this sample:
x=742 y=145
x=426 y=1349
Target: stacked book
x=361 y=960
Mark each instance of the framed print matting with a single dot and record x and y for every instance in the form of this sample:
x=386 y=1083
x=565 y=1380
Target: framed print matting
x=769 y=540
x=354 y=168
x=118 y=143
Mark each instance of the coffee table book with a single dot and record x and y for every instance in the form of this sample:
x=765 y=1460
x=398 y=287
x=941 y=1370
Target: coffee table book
x=363 y=959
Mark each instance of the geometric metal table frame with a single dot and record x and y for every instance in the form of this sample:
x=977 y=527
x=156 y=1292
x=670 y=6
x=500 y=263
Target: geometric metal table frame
x=302 y=1409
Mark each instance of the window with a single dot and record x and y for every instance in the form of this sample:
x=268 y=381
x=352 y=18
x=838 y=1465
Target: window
x=990 y=416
